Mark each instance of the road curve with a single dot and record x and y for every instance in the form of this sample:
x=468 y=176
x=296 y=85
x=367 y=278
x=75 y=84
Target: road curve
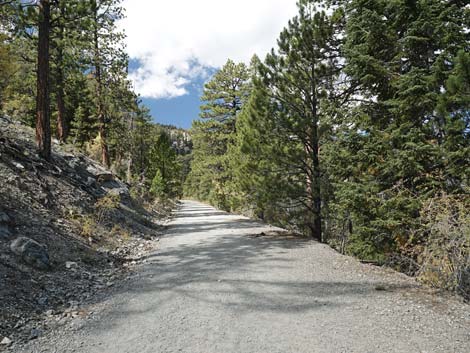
x=213 y=288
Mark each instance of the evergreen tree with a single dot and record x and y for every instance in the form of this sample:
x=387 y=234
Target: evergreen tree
x=223 y=99
x=107 y=57
x=300 y=78
x=164 y=167
x=387 y=156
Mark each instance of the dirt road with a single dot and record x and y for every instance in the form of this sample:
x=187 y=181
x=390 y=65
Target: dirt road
x=213 y=288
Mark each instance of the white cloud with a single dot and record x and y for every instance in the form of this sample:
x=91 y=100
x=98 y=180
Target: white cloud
x=176 y=40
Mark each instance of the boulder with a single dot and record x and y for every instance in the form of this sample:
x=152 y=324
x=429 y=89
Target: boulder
x=100 y=174
x=6 y=341
x=31 y=252
x=104 y=177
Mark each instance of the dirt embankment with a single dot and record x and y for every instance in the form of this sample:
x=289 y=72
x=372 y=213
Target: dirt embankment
x=69 y=230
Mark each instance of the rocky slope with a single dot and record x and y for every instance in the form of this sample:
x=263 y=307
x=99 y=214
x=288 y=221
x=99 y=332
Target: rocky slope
x=69 y=230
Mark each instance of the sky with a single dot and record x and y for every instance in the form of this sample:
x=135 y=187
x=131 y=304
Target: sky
x=176 y=46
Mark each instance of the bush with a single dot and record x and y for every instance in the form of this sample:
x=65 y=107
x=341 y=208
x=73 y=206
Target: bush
x=105 y=205
x=88 y=227
x=445 y=260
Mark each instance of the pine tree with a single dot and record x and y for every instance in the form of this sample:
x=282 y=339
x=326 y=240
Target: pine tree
x=453 y=108
x=164 y=167
x=105 y=13
x=43 y=115
x=223 y=99
x=387 y=157
x=300 y=78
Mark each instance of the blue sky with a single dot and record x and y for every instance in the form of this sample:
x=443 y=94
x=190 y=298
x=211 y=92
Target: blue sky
x=179 y=111
x=176 y=46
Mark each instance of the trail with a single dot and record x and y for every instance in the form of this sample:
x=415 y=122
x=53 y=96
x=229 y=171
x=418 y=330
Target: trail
x=213 y=288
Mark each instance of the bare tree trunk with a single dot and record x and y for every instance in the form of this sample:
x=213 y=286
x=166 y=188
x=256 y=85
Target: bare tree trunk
x=62 y=123
x=316 y=187
x=43 y=118
x=313 y=174
x=99 y=96
x=313 y=184
x=130 y=160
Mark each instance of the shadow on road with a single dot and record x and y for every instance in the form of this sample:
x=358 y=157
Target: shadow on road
x=215 y=263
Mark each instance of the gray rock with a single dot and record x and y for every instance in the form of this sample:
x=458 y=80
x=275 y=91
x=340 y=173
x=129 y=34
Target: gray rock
x=35 y=333
x=104 y=177
x=6 y=341
x=43 y=301
x=19 y=165
x=5 y=232
x=119 y=192
x=90 y=181
x=101 y=175
x=74 y=163
x=4 y=218
x=70 y=265
x=32 y=253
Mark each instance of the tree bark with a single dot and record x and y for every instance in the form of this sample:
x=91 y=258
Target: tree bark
x=62 y=122
x=130 y=160
x=314 y=184
x=43 y=118
x=99 y=96
x=313 y=160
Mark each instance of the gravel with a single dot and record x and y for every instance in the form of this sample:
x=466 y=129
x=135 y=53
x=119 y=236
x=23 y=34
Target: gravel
x=223 y=283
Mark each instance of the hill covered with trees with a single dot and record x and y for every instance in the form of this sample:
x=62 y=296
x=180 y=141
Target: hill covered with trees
x=64 y=71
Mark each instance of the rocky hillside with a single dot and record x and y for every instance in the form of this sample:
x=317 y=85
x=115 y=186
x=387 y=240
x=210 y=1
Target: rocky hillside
x=69 y=229
x=180 y=139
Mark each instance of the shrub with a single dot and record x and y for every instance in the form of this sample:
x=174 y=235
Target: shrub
x=105 y=205
x=88 y=227
x=445 y=260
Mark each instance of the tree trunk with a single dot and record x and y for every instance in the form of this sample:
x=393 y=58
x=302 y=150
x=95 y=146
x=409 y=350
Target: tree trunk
x=43 y=118
x=62 y=123
x=313 y=161
x=314 y=184
x=130 y=160
x=99 y=96
x=316 y=188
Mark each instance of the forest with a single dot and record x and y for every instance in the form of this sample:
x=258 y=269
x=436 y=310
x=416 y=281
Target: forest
x=354 y=130
x=64 y=70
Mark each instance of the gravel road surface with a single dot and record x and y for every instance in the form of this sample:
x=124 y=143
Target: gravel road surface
x=214 y=287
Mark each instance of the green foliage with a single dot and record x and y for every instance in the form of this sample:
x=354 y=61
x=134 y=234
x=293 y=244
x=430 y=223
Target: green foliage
x=159 y=186
x=352 y=127
x=91 y=97
x=223 y=99
x=163 y=164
